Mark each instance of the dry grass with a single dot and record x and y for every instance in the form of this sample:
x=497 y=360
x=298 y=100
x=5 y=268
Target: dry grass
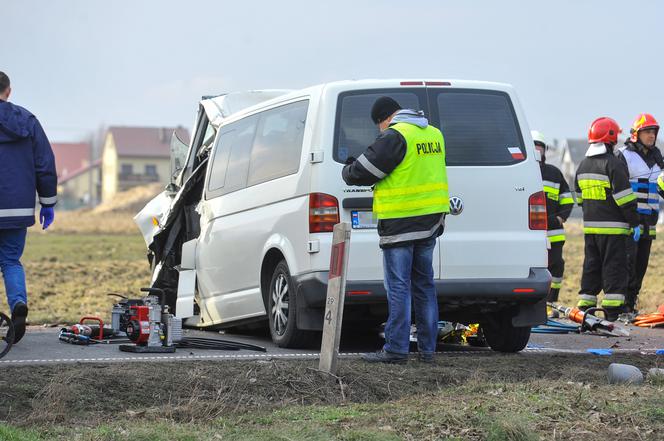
x=87 y=222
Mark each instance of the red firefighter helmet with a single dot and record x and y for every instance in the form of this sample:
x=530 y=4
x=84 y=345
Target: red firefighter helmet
x=604 y=130
x=643 y=121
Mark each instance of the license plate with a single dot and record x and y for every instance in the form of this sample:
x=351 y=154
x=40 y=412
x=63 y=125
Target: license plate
x=363 y=220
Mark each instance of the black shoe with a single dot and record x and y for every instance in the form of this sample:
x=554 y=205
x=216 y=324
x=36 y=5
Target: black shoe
x=385 y=357
x=19 y=314
x=612 y=314
x=425 y=357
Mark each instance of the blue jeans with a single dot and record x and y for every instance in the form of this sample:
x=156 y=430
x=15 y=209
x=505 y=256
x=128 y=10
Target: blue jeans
x=409 y=272
x=12 y=243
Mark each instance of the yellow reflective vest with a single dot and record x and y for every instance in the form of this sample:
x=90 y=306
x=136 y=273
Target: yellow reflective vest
x=418 y=185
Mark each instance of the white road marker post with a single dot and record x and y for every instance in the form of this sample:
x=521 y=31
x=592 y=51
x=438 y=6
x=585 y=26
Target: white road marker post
x=334 y=303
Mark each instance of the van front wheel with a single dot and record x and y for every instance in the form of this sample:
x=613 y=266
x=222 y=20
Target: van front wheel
x=282 y=311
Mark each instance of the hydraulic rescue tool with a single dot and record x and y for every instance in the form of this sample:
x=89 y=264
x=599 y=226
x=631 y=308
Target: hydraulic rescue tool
x=148 y=323
x=590 y=322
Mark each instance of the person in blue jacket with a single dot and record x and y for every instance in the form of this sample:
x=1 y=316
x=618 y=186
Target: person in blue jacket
x=27 y=168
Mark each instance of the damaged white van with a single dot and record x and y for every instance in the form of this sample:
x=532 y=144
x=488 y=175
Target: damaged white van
x=243 y=232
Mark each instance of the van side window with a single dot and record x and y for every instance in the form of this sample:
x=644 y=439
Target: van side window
x=230 y=164
x=355 y=131
x=277 y=146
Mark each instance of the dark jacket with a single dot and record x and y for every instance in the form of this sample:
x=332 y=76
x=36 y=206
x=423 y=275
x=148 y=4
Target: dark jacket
x=607 y=206
x=559 y=203
x=378 y=161
x=27 y=167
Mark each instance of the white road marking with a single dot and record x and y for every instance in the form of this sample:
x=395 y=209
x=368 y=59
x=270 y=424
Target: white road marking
x=139 y=358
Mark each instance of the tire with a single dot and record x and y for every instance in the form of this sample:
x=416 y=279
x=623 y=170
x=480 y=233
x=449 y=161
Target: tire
x=502 y=336
x=282 y=311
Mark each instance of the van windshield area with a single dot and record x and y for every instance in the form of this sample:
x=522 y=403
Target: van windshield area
x=479 y=126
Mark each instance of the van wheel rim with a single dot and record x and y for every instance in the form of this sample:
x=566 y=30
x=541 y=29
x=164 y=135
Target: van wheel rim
x=280 y=304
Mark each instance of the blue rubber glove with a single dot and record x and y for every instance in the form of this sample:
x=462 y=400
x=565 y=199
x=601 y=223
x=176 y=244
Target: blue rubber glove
x=46 y=217
x=637 y=234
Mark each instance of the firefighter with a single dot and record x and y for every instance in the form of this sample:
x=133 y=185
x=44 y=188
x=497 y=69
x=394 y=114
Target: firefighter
x=609 y=216
x=644 y=162
x=559 y=204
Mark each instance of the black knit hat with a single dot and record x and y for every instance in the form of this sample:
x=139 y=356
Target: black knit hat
x=383 y=108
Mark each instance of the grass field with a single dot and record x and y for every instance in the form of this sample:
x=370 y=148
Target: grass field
x=469 y=397
x=71 y=269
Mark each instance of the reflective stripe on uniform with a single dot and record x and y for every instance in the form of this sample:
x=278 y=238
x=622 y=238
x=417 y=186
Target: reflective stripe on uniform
x=624 y=197
x=370 y=167
x=566 y=198
x=417 y=235
x=17 y=212
x=613 y=300
x=660 y=181
x=551 y=189
x=556 y=235
x=48 y=201
x=593 y=177
x=599 y=227
x=556 y=282
x=587 y=300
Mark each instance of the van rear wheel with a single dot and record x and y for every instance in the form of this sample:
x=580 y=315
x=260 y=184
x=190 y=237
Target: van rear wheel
x=502 y=336
x=282 y=311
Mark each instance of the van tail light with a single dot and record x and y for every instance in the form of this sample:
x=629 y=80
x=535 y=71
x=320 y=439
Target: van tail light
x=537 y=211
x=323 y=213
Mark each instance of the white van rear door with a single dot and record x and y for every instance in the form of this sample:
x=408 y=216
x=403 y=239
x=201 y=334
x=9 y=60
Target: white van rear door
x=493 y=174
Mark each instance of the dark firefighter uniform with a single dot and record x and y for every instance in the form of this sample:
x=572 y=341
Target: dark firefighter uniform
x=559 y=204
x=644 y=167
x=609 y=214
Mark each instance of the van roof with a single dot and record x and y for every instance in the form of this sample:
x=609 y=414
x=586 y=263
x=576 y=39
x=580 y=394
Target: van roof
x=256 y=99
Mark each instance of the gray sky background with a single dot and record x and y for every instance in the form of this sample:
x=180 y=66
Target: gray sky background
x=78 y=64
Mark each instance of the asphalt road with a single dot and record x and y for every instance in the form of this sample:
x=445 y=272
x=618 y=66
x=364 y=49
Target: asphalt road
x=41 y=346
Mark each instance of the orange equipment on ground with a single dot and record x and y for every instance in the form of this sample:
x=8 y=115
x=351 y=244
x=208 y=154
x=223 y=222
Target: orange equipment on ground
x=650 y=320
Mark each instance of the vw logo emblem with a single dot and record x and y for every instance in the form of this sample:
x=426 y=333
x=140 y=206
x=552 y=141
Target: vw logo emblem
x=456 y=205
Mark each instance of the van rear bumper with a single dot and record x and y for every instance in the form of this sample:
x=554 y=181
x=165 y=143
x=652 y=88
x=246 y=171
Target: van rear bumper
x=460 y=299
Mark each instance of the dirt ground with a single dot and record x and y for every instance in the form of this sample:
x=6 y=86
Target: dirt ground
x=470 y=397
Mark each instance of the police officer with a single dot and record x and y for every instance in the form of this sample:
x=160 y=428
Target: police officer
x=644 y=162
x=559 y=204
x=609 y=214
x=406 y=165
x=27 y=167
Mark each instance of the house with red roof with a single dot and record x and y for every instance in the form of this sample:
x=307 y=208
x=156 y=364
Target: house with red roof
x=79 y=178
x=135 y=156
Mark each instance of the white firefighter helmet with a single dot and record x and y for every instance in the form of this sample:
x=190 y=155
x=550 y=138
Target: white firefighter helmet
x=539 y=138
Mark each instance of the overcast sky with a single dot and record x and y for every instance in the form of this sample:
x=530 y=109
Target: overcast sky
x=78 y=64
